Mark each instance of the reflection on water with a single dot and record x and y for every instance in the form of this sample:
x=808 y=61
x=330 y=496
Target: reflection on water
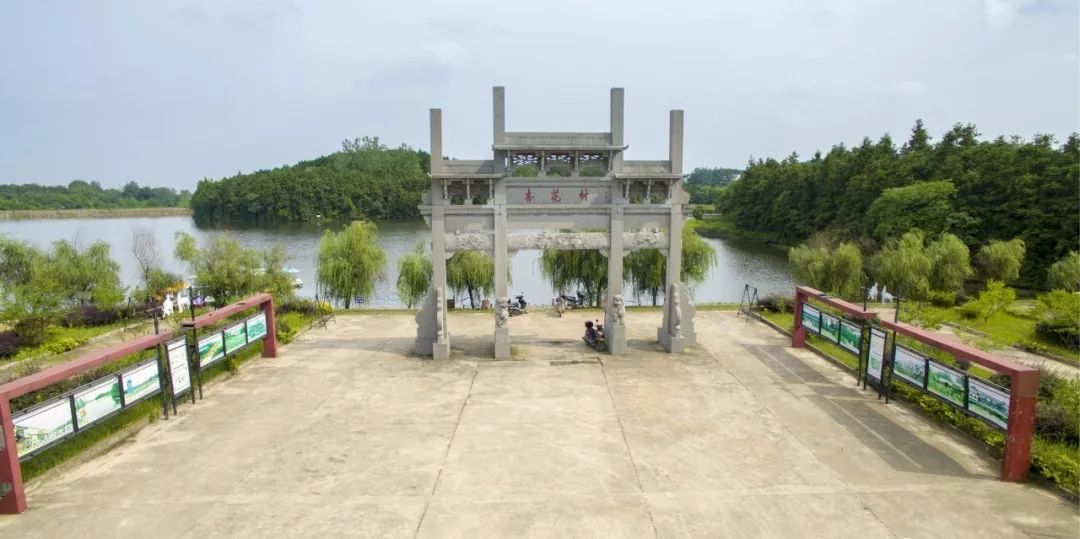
x=738 y=262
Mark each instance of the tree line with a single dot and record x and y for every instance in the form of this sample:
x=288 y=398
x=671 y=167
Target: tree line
x=89 y=195
x=351 y=261
x=364 y=180
x=979 y=191
x=75 y=284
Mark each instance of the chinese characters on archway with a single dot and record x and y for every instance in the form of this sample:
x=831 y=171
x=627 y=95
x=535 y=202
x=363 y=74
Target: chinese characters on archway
x=556 y=196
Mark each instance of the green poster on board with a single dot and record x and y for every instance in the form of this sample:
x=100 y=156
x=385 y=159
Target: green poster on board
x=235 y=338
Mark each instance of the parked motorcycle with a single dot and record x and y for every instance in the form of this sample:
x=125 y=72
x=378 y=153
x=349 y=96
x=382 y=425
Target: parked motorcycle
x=519 y=305
x=564 y=302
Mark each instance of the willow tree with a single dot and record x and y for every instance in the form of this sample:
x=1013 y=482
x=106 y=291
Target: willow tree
x=472 y=272
x=414 y=276
x=904 y=266
x=224 y=269
x=951 y=263
x=585 y=269
x=1065 y=273
x=87 y=275
x=349 y=262
x=646 y=269
x=1001 y=260
x=837 y=271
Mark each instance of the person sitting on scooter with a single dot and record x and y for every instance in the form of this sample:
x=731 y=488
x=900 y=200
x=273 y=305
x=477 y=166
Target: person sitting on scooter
x=591 y=335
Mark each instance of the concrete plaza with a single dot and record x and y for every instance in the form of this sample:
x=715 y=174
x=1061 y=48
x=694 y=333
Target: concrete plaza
x=347 y=434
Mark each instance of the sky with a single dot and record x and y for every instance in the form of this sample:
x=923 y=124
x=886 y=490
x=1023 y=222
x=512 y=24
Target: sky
x=166 y=93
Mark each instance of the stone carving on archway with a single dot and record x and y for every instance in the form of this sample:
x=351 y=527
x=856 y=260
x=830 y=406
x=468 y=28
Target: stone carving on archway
x=584 y=195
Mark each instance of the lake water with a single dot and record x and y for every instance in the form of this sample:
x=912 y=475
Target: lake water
x=739 y=262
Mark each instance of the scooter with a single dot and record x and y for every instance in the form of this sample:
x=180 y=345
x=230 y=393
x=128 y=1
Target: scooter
x=519 y=306
x=564 y=302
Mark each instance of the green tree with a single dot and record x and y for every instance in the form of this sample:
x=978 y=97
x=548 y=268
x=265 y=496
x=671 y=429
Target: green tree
x=87 y=275
x=224 y=269
x=1004 y=188
x=950 y=264
x=1065 y=273
x=472 y=272
x=644 y=270
x=578 y=269
x=924 y=205
x=838 y=272
x=991 y=301
x=698 y=257
x=1058 y=313
x=349 y=262
x=904 y=266
x=1001 y=260
x=414 y=276
x=30 y=294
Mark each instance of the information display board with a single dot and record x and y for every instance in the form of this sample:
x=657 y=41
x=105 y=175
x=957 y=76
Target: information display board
x=97 y=401
x=850 y=337
x=946 y=383
x=256 y=327
x=909 y=365
x=876 y=356
x=211 y=349
x=140 y=382
x=830 y=327
x=43 y=425
x=178 y=366
x=235 y=338
x=811 y=318
x=988 y=402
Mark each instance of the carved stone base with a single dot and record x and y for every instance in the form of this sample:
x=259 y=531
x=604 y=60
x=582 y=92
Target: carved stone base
x=426 y=327
x=673 y=344
x=502 y=343
x=616 y=339
x=440 y=350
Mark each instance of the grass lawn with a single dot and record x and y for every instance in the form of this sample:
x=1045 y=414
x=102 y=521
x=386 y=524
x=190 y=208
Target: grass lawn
x=1005 y=329
x=60 y=339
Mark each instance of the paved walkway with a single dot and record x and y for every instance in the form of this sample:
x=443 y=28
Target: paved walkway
x=347 y=434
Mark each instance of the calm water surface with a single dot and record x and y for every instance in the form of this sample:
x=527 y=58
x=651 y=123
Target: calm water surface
x=739 y=262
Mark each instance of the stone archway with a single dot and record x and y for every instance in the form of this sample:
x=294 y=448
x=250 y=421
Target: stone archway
x=575 y=181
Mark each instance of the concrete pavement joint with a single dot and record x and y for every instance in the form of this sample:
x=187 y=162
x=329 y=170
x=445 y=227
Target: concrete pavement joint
x=629 y=453
x=449 y=445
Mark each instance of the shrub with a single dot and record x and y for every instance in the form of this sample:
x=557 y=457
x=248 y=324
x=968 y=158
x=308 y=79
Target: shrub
x=942 y=299
x=91 y=315
x=1058 y=313
x=9 y=344
x=777 y=304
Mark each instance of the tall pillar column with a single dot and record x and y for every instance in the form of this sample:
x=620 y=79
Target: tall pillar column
x=615 y=308
x=502 y=295
x=617 y=100
x=669 y=334
x=441 y=346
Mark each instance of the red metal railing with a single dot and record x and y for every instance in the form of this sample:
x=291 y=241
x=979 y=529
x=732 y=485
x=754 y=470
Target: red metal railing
x=1023 y=385
x=12 y=494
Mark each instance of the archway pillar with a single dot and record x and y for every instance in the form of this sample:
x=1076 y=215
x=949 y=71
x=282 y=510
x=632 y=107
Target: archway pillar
x=677 y=329
x=502 y=295
x=614 y=307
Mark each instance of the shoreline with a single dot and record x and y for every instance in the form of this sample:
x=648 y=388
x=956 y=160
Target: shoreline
x=84 y=213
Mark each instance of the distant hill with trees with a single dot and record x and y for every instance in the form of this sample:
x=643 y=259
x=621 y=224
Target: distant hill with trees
x=365 y=180
x=88 y=195
x=705 y=184
x=871 y=194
